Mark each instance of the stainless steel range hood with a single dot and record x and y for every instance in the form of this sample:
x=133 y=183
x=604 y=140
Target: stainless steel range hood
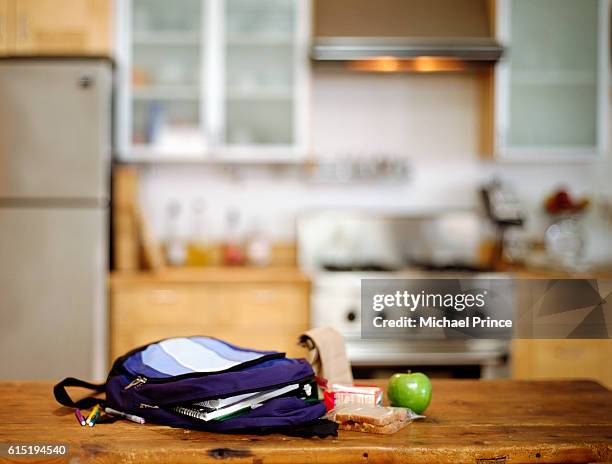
x=456 y=30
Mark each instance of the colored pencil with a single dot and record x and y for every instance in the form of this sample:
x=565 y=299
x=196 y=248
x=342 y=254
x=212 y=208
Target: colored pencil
x=94 y=419
x=79 y=416
x=91 y=415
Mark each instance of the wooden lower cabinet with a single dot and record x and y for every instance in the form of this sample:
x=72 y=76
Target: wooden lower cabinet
x=255 y=315
x=563 y=359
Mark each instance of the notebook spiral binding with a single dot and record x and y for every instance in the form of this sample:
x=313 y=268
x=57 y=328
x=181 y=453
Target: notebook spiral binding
x=195 y=414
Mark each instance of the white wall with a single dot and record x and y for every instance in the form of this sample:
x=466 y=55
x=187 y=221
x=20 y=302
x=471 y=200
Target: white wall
x=423 y=117
x=431 y=119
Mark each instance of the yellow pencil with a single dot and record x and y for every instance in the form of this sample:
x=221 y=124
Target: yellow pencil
x=92 y=413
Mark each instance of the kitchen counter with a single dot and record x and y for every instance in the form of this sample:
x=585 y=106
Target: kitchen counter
x=561 y=274
x=246 y=274
x=290 y=274
x=468 y=421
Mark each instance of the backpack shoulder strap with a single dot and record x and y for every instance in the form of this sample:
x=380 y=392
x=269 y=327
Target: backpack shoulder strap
x=62 y=397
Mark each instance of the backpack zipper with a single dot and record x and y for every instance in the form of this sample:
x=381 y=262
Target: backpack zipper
x=139 y=380
x=189 y=409
x=118 y=368
x=302 y=381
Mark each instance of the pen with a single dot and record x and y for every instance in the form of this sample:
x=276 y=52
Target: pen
x=131 y=417
x=79 y=416
x=94 y=411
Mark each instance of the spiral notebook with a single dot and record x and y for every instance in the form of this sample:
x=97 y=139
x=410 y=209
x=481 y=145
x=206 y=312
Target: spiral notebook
x=217 y=409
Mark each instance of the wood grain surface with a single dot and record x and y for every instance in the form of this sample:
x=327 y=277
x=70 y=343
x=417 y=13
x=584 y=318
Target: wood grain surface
x=468 y=421
x=211 y=274
x=255 y=307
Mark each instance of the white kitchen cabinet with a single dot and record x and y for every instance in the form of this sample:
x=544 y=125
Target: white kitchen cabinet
x=212 y=79
x=552 y=83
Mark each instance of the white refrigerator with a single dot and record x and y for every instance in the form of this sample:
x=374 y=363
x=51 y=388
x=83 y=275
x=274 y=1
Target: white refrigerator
x=55 y=143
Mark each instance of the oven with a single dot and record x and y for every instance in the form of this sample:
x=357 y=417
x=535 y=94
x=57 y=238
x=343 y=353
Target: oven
x=336 y=296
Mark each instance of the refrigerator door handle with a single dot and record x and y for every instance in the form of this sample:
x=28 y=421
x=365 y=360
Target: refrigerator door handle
x=86 y=81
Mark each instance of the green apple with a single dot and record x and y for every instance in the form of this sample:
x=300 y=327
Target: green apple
x=411 y=390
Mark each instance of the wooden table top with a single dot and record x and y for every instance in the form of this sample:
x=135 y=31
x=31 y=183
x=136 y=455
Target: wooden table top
x=499 y=421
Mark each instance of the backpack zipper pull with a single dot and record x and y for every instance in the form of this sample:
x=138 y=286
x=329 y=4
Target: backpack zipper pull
x=140 y=380
x=149 y=406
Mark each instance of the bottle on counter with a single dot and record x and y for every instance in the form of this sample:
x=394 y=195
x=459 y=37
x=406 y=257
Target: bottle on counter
x=199 y=247
x=258 y=246
x=233 y=246
x=174 y=243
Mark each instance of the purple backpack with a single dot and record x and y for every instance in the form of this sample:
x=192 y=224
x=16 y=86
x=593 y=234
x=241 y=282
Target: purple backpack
x=207 y=384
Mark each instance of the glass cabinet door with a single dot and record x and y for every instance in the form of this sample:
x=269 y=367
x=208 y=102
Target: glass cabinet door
x=261 y=43
x=166 y=53
x=553 y=81
x=212 y=78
